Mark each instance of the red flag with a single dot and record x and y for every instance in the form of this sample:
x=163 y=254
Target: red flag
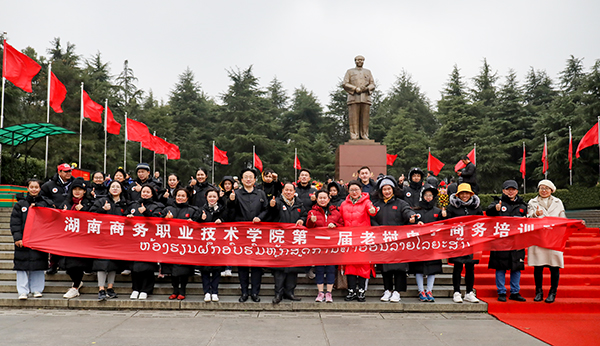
x=58 y=93
x=258 y=163
x=297 y=163
x=434 y=164
x=545 y=159
x=570 y=149
x=112 y=126
x=460 y=165
x=522 y=170
x=137 y=132
x=173 y=152
x=19 y=68
x=91 y=109
x=590 y=138
x=390 y=159
x=220 y=156
x=160 y=146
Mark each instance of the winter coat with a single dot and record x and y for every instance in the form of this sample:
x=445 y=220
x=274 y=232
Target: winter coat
x=412 y=193
x=272 y=189
x=56 y=190
x=333 y=215
x=288 y=214
x=369 y=187
x=338 y=199
x=432 y=180
x=394 y=212
x=135 y=195
x=167 y=201
x=248 y=205
x=358 y=214
x=512 y=259
x=119 y=208
x=213 y=213
x=180 y=211
x=536 y=255
x=303 y=194
x=456 y=208
x=469 y=174
x=198 y=198
x=26 y=259
x=153 y=208
x=80 y=263
x=427 y=212
x=101 y=190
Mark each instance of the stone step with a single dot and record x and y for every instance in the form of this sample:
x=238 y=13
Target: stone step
x=5 y=231
x=230 y=303
x=11 y=275
x=7 y=246
x=7 y=239
x=6 y=264
x=6 y=255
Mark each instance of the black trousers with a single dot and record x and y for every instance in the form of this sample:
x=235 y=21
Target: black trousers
x=285 y=283
x=142 y=281
x=210 y=281
x=244 y=274
x=538 y=275
x=394 y=278
x=469 y=276
x=355 y=281
x=76 y=276
x=179 y=284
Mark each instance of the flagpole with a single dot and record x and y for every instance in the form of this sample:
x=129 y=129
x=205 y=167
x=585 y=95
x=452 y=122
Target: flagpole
x=105 y=133
x=599 y=145
x=154 y=163
x=48 y=116
x=428 y=165
x=546 y=150
x=570 y=158
x=213 y=164
x=2 y=122
x=524 y=178
x=125 y=146
x=295 y=160
x=141 y=153
x=165 y=162
x=254 y=157
x=81 y=125
x=475 y=154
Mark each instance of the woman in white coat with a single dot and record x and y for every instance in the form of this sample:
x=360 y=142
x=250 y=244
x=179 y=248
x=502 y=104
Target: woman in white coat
x=538 y=257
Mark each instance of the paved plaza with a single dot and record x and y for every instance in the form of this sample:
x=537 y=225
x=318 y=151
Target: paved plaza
x=145 y=327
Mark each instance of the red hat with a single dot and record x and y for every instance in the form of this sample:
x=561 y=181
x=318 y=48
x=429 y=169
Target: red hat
x=64 y=167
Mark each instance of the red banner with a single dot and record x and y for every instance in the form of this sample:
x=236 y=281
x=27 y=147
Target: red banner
x=84 y=234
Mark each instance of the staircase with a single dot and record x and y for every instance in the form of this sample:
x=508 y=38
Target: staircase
x=229 y=291
x=579 y=285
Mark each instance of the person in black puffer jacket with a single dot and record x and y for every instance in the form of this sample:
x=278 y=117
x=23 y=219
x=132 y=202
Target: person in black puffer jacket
x=463 y=202
x=167 y=198
x=211 y=275
x=179 y=272
x=304 y=190
x=114 y=204
x=391 y=211
x=337 y=193
x=142 y=273
x=287 y=208
x=427 y=212
x=142 y=171
x=30 y=264
x=199 y=187
x=77 y=200
x=97 y=187
x=509 y=204
x=412 y=192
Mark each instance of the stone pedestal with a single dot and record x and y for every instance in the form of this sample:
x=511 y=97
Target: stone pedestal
x=355 y=154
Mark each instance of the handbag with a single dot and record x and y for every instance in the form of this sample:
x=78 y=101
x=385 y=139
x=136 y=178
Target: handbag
x=341 y=282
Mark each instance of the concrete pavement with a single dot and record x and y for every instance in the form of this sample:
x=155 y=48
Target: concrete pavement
x=212 y=328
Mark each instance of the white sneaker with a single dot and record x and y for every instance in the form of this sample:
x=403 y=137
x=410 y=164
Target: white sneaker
x=457 y=298
x=126 y=272
x=215 y=298
x=386 y=296
x=143 y=296
x=23 y=296
x=395 y=297
x=470 y=297
x=134 y=295
x=37 y=295
x=71 y=293
x=226 y=272
x=207 y=297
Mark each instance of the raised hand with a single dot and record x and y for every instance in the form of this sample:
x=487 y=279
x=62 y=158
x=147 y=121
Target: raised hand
x=539 y=211
x=169 y=215
x=313 y=218
x=204 y=215
x=106 y=206
x=232 y=196
x=444 y=212
x=142 y=209
x=273 y=202
x=93 y=193
x=193 y=181
x=79 y=206
x=499 y=206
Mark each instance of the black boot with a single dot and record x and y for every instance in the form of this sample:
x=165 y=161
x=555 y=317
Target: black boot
x=551 y=296
x=351 y=295
x=361 y=297
x=278 y=298
x=539 y=295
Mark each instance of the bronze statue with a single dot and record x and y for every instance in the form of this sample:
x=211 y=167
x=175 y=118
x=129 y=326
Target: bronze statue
x=359 y=84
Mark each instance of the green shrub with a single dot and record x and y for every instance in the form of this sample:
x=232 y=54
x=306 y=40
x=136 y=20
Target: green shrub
x=15 y=172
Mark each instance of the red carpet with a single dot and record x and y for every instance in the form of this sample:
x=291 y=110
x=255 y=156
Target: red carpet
x=574 y=318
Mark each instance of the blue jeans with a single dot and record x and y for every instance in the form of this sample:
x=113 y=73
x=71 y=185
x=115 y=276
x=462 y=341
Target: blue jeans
x=325 y=274
x=30 y=281
x=515 y=279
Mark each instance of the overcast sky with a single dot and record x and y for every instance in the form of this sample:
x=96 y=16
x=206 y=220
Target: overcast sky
x=311 y=43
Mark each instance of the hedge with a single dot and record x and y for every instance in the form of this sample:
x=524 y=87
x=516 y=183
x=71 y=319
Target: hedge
x=575 y=197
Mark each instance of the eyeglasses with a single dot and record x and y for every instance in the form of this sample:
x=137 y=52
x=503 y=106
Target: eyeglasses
x=354 y=190
x=543 y=188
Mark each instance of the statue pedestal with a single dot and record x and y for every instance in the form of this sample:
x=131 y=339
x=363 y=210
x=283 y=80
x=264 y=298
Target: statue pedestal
x=355 y=154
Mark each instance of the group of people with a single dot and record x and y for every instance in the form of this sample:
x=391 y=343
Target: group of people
x=360 y=202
